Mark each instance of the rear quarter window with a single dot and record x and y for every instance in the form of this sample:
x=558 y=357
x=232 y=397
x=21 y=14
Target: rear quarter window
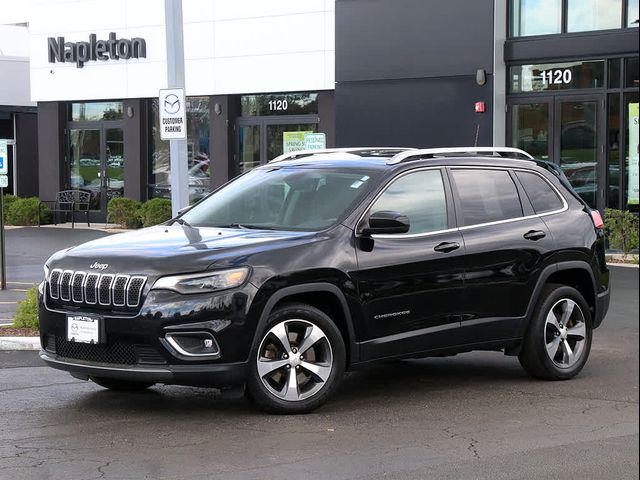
x=486 y=196
x=542 y=196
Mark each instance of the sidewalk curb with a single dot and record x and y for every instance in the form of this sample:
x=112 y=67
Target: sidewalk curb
x=19 y=343
x=624 y=265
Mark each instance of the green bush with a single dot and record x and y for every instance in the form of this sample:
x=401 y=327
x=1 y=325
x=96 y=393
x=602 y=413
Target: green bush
x=621 y=228
x=24 y=211
x=27 y=310
x=155 y=211
x=8 y=199
x=125 y=212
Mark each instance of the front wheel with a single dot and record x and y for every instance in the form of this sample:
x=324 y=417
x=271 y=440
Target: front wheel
x=121 y=385
x=558 y=341
x=299 y=361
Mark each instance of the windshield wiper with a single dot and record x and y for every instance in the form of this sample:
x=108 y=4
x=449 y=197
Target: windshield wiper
x=182 y=222
x=246 y=226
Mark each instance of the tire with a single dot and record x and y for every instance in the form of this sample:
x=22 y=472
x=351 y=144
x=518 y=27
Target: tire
x=319 y=366
x=558 y=341
x=121 y=385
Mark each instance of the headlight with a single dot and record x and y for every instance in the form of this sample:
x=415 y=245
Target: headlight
x=46 y=272
x=203 y=282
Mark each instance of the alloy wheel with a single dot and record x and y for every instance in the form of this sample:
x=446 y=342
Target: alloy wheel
x=565 y=333
x=294 y=360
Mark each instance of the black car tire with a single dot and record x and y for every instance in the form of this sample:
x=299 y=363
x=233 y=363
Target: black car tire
x=267 y=400
x=534 y=356
x=121 y=385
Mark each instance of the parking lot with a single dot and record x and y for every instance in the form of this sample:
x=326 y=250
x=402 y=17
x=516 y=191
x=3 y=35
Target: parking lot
x=474 y=416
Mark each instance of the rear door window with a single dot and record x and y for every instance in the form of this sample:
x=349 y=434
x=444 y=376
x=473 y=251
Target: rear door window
x=485 y=196
x=542 y=196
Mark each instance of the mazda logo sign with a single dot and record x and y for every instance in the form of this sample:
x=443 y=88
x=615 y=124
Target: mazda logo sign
x=171 y=104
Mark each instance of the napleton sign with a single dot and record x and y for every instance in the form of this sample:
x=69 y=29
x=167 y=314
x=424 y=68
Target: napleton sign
x=81 y=52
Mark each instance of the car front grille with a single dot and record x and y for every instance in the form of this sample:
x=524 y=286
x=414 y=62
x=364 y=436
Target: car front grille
x=114 y=353
x=105 y=290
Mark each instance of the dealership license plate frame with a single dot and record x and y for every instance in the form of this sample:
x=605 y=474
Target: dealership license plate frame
x=88 y=331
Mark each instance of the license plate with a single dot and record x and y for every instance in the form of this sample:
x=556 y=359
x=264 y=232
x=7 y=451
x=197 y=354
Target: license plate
x=83 y=329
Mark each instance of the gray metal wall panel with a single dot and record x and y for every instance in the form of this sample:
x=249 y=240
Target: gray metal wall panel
x=422 y=113
x=51 y=154
x=382 y=39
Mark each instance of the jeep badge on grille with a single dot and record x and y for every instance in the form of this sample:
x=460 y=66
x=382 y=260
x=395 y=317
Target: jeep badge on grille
x=99 y=266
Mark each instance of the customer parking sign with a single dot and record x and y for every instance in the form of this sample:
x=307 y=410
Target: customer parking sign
x=4 y=159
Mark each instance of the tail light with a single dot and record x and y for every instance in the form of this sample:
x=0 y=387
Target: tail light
x=597 y=219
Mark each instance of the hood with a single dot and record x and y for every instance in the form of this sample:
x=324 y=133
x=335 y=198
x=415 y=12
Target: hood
x=173 y=249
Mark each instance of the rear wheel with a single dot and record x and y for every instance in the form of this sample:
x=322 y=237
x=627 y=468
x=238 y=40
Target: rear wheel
x=558 y=341
x=299 y=361
x=120 y=385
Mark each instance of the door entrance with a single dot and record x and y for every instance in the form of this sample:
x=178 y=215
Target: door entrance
x=569 y=130
x=260 y=139
x=96 y=163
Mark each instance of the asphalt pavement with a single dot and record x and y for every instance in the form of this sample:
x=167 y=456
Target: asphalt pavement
x=27 y=249
x=473 y=416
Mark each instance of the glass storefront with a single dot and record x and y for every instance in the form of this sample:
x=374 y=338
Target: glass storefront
x=267 y=122
x=96 y=151
x=198 y=151
x=573 y=114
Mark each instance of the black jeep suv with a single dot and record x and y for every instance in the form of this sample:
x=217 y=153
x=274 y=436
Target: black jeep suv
x=320 y=262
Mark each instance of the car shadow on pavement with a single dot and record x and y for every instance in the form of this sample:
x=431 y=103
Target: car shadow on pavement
x=403 y=380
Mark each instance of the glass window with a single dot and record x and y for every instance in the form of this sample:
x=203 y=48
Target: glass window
x=632 y=13
x=630 y=193
x=631 y=72
x=420 y=196
x=283 y=198
x=486 y=196
x=556 y=76
x=614 y=73
x=585 y=15
x=276 y=137
x=530 y=128
x=535 y=17
x=198 y=157
x=613 y=140
x=542 y=196
x=578 y=147
x=279 y=104
x=84 y=163
x=95 y=111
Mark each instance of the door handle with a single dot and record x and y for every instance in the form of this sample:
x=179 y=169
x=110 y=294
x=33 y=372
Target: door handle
x=446 y=247
x=534 y=235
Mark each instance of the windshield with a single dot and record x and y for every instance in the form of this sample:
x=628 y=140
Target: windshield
x=282 y=198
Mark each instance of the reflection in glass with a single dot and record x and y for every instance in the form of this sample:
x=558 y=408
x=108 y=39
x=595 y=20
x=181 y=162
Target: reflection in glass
x=420 y=196
x=535 y=17
x=614 y=73
x=96 y=111
x=249 y=147
x=198 y=156
x=486 y=196
x=84 y=163
x=585 y=15
x=556 y=76
x=278 y=104
x=632 y=13
x=613 y=145
x=578 y=153
x=530 y=129
x=275 y=136
x=631 y=72
x=115 y=163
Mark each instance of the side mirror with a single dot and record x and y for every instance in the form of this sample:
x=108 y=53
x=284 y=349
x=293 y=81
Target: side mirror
x=386 y=223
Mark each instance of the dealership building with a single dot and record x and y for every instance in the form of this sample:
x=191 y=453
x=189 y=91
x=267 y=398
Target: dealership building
x=557 y=78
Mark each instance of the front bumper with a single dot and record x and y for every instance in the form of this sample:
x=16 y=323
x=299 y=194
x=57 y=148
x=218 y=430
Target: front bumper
x=209 y=375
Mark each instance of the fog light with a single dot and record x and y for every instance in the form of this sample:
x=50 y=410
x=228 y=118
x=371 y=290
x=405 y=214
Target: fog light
x=193 y=344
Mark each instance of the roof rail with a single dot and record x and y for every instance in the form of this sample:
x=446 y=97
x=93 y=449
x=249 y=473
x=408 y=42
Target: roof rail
x=506 y=152
x=362 y=151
